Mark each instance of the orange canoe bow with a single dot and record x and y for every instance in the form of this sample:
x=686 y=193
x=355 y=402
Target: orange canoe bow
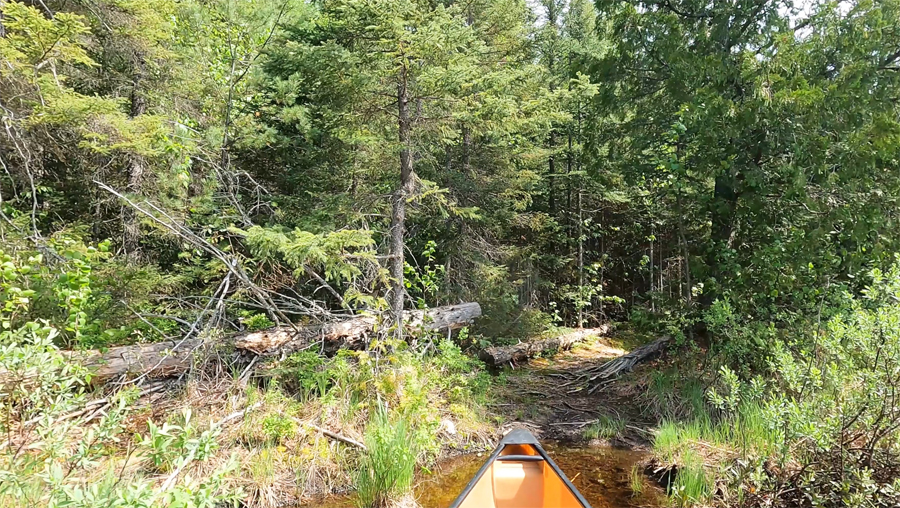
x=520 y=474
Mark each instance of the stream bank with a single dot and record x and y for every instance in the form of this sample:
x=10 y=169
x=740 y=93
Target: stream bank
x=598 y=435
x=604 y=475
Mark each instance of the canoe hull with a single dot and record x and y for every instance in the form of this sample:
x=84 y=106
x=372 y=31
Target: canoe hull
x=520 y=474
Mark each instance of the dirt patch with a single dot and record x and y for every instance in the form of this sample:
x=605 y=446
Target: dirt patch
x=556 y=398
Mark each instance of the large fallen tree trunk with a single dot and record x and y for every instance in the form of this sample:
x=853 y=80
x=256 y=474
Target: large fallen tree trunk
x=499 y=356
x=164 y=359
x=353 y=333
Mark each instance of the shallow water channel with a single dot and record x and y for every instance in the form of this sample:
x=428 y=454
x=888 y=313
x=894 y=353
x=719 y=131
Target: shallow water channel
x=601 y=474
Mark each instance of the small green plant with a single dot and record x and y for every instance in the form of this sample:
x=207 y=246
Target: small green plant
x=307 y=374
x=277 y=428
x=387 y=468
x=255 y=322
x=424 y=283
x=166 y=445
x=637 y=480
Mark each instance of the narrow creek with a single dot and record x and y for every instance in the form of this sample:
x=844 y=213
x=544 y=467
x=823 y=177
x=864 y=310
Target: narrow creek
x=601 y=473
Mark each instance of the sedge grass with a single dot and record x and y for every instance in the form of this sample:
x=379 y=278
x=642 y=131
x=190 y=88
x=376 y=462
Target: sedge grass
x=387 y=468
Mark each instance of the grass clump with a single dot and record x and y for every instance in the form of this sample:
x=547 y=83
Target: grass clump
x=277 y=428
x=388 y=466
x=706 y=446
x=637 y=480
x=692 y=484
x=606 y=427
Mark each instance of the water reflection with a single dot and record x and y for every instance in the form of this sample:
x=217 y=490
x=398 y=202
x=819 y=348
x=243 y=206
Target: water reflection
x=601 y=474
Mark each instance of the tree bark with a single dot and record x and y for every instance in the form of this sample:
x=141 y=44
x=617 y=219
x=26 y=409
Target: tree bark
x=397 y=292
x=170 y=358
x=685 y=254
x=467 y=146
x=552 y=174
x=137 y=164
x=722 y=216
x=552 y=15
x=581 y=304
x=581 y=233
x=504 y=355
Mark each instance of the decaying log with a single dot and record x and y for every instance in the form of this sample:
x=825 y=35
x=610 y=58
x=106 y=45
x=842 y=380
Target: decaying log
x=165 y=359
x=499 y=356
x=351 y=334
x=157 y=360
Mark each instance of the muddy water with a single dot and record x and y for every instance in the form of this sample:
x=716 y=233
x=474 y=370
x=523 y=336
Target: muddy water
x=601 y=474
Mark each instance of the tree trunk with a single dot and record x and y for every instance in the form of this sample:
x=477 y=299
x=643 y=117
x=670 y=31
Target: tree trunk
x=2 y=27
x=652 y=300
x=581 y=233
x=467 y=147
x=170 y=358
x=684 y=249
x=568 y=213
x=397 y=293
x=551 y=65
x=552 y=173
x=137 y=164
x=580 y=260
x=722 y=214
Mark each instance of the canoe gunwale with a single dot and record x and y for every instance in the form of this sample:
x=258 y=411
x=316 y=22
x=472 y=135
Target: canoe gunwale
x=519 y=437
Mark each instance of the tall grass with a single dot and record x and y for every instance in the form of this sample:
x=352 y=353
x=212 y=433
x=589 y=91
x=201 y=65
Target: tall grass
x=387 y=469
x=692 y=485
x=671 y=395
x=747 y=432
x=637 y=480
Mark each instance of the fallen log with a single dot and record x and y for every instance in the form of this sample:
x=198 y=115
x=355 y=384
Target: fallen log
x=170 y=358
x=499 y=356
x=352 y=333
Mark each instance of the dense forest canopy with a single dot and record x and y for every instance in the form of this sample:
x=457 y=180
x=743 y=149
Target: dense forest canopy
x=725 y=172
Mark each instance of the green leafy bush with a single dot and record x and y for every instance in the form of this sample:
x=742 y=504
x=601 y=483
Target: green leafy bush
x=53 y=458
x=826 y=417
x=307 y=374
x=167 y=445
x=277 y=428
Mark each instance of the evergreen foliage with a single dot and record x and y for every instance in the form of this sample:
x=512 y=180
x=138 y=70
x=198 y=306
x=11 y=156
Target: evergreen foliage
x=726 y=172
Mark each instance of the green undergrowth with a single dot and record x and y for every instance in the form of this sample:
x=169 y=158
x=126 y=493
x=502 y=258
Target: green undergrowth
x=818 y=427
x=405 y=407
x=704 y=447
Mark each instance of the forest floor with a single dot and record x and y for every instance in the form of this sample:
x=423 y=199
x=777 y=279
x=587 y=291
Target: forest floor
x=555 y=399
